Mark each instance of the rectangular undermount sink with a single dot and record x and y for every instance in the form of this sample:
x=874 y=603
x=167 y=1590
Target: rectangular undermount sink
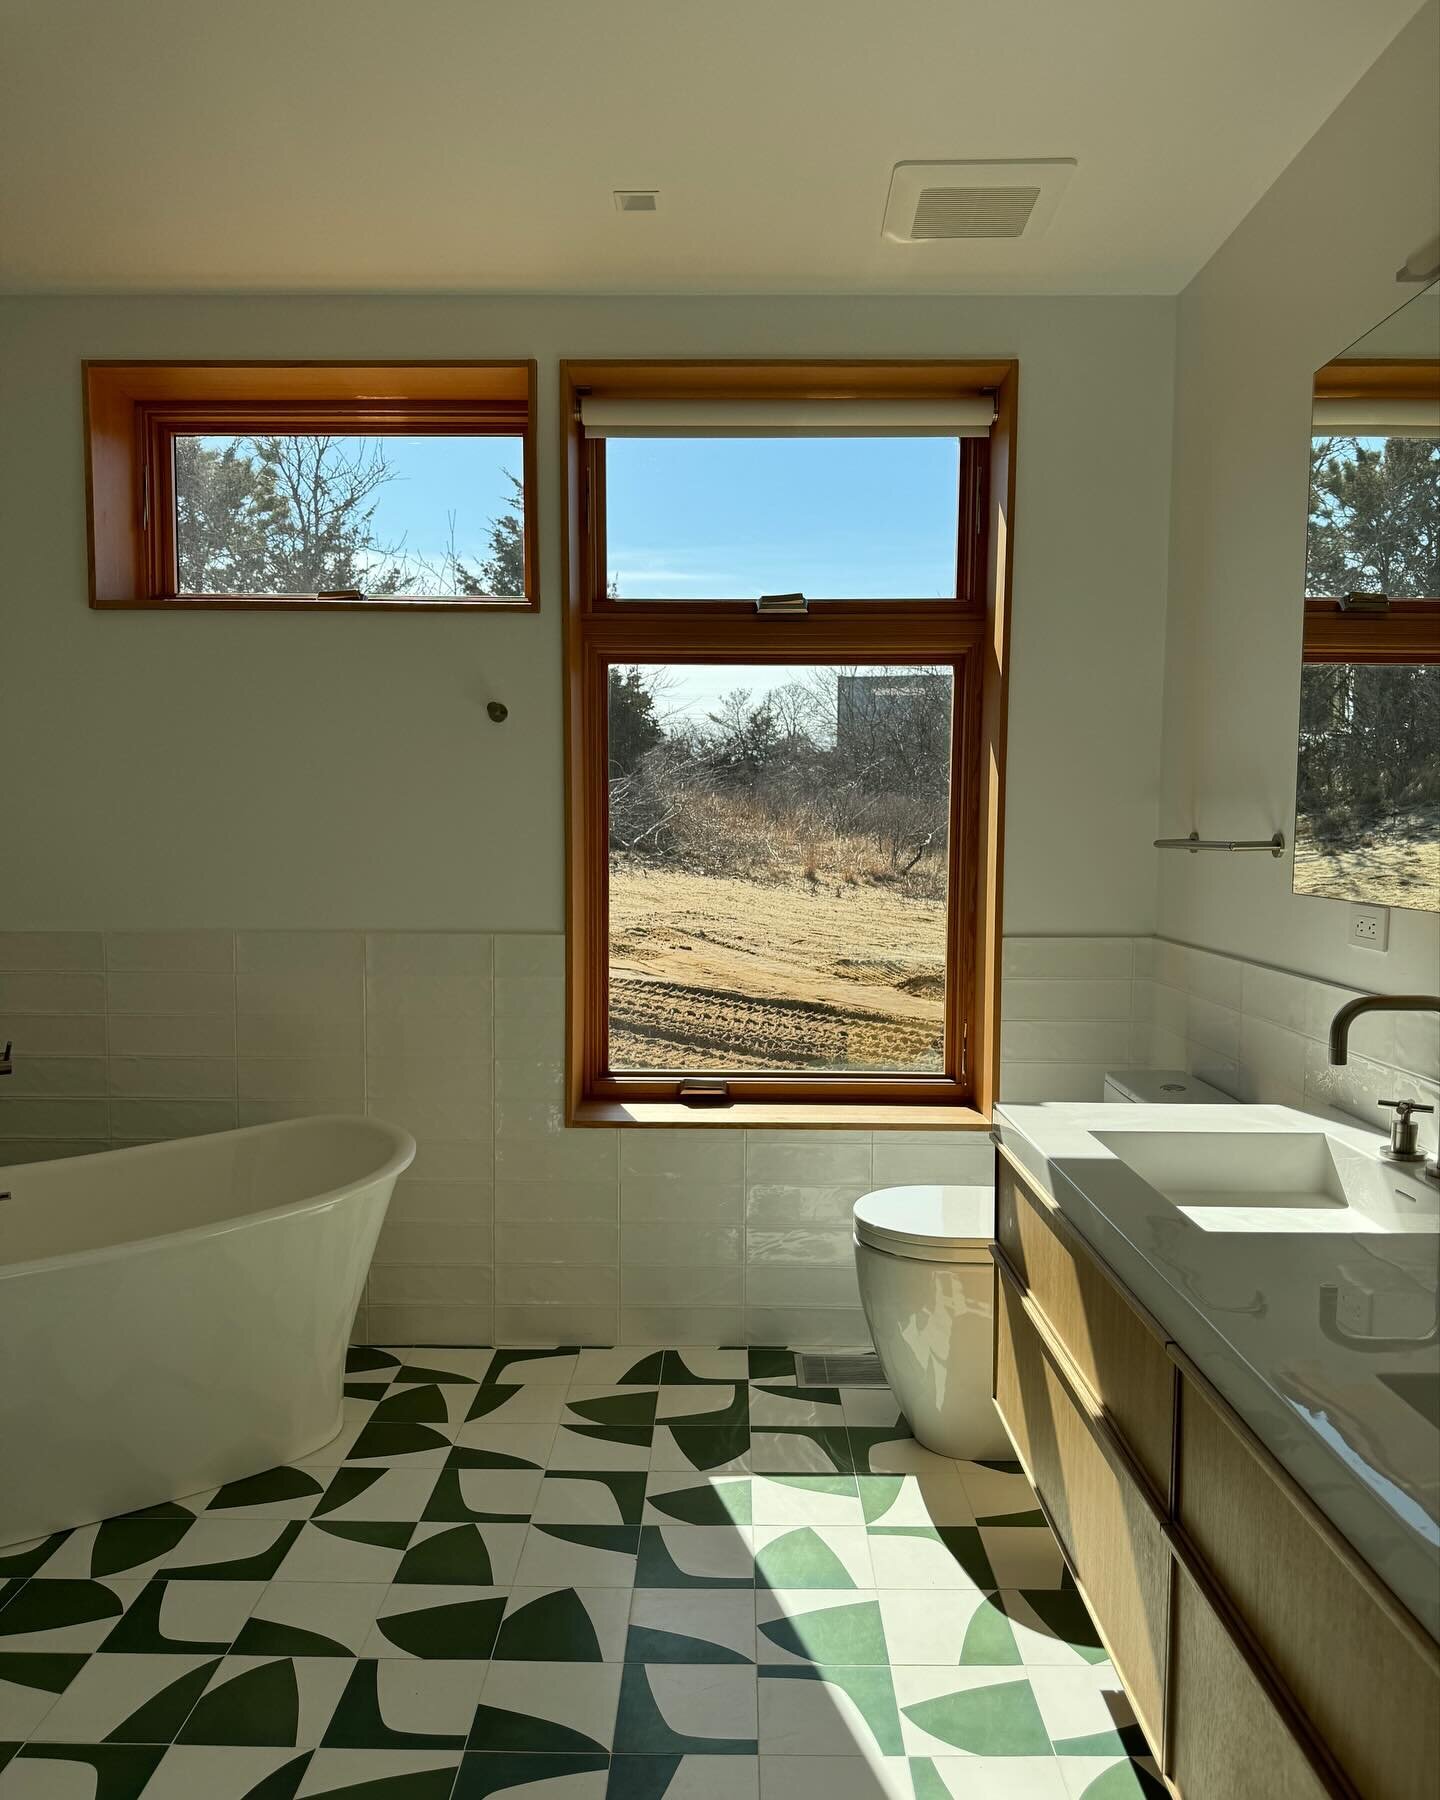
x=1291 y=1181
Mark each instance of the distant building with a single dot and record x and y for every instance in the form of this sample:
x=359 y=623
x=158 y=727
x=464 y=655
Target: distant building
x=899 y=701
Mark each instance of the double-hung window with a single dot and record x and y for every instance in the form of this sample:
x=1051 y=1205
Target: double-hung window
x=786 y=655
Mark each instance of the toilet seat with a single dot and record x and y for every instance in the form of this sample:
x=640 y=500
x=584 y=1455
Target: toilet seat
x=930 y=1223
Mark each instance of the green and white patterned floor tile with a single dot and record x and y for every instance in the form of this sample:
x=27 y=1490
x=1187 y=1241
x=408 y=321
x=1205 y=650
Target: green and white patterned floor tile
x=670 y=1625
x=546 y=1707
x=801 y=1450
x=436 y=1624
x=378 y=1775
x=696 y=1556
x=504 y=1403
x=564 y=1625
x=816 y=1625
x=587 y=1404
x=591 y=1497
x=696 y=1366
x=634 y=1367
x=837 y=1778
x=805 y=1500
x=774 y=1404
x=188 y=1771
x=1085 y=1710
x=828 y=1710
x=45 y=1771
x=61 y=1616
x=941 y=1557
x=710 y=1404
x=30 y=1684
x=693 y=1499
x=277 y=1494
x=686 y=1709
x=581 y=1445
x=353 y=1550
x=812 y=1556
x=311 y=1618
x=375 y=1494
x=579 y=1556
x=992 y=1777
x=936 y=1498
x=978 y=1711
x=510 y=1561
x=684 y=1778
x=969 y=1630
x=547 y=1368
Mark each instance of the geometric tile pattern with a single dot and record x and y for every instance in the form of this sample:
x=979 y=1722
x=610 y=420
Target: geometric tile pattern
x=570 y=1575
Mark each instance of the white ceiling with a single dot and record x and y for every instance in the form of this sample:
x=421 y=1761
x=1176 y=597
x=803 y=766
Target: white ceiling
x=472 y=145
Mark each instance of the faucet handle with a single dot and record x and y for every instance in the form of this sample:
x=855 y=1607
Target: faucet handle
x=1404 y=1108
x=1403 y=1131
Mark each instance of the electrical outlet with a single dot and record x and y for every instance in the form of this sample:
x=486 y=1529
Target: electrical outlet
x=1370 y=927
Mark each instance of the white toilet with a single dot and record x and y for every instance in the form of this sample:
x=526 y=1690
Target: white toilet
x=927 y=1283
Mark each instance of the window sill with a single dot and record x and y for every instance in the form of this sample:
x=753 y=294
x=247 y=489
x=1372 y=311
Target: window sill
x=740 y=1115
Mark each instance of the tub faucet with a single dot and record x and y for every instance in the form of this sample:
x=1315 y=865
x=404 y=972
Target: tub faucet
x=1402 y=1139
x=7 y=1067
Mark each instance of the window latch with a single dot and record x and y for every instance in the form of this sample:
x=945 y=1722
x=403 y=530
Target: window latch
x=704 y=1088
x=1366 y=605
x=339 y=594
x=782 y=606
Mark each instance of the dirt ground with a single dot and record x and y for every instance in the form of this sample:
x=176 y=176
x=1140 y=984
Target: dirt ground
x=1397 y=864
x=712 y=972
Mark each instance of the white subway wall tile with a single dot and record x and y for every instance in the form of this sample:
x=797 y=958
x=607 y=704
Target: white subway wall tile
x=530 y=953
x=53 y=1034
x=44 y=992
x=542 y=1243
x=681 y=1245
x=429 y=953
x=441 y=1202
x=652 y=1285
x=1096 y=958
x=687 y=1205
x=675 y=1325
x=1078 y=998
x=835 y=1328
x=51 y=950
x=558 y=1202
x=559 y=1324
x=556 y=1284
x=391 y=1324
x=173 y=952
x=24 y=1117
x=173 y=1077
x=81 y=1077
x=433 y=1241
x=172 y=1034
x=339 y=953
x=440 y=1284
x=170 y=1118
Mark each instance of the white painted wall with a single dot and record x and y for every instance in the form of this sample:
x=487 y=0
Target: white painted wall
x=302 y=769
x=1309 y=270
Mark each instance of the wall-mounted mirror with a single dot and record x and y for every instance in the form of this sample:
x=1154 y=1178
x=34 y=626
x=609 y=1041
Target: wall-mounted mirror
x=1367 y=823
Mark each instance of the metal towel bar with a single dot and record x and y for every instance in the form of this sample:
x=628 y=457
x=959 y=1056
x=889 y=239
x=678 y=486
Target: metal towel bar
x=1275 y=845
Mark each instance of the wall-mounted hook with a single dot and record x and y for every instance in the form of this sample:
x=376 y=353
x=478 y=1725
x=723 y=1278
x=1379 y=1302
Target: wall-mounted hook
x=498 y=711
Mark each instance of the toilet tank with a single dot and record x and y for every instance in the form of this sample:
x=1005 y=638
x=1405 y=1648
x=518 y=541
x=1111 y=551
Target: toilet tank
x=1161 y=1087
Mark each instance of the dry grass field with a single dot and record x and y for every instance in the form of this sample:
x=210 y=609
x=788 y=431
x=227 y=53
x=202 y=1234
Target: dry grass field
x=1394 y=864
x=800 y=972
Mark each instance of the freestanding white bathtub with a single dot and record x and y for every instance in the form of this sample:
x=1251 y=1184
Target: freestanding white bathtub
x=175 y=1316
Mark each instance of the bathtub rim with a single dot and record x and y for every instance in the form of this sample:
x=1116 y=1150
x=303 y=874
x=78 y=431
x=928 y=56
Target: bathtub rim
x=402 y=1154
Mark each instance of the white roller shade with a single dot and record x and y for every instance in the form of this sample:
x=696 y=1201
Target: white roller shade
x=1376 y=418
x=968 y=415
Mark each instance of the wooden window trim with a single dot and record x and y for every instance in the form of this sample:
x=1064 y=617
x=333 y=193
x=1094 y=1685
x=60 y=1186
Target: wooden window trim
x=134 y=410
x=1410 y=631
x=972 y=633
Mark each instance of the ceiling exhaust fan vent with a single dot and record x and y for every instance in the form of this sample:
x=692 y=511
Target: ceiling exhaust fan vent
x=637 y=200
x=937 y=201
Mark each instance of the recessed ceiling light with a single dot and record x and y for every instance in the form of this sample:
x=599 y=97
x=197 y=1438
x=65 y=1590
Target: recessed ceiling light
x=637 y=200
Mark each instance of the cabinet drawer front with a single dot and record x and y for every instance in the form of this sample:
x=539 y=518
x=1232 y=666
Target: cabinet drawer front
x=1366 y=1685
x=1226 y=1738
x=1110 y=1534
x=1123 y=1362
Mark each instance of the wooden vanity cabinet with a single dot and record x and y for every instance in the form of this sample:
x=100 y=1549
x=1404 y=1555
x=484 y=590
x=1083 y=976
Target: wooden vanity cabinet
x=1119 y=1356
x=1358 y=1668
x=1108 y=1529
x=1262 y=1657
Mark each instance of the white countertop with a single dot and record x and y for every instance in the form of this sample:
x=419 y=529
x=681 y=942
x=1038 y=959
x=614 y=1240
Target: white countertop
x=1245 y=1306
